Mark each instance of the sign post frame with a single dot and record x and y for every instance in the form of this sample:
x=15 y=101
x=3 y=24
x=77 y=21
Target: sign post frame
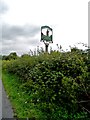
x=46 y=37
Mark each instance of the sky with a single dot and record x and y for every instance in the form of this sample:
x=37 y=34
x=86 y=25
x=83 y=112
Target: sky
x=21 y=21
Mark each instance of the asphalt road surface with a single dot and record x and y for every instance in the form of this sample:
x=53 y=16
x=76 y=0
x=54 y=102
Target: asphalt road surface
x=5 y=106
x=0 y=99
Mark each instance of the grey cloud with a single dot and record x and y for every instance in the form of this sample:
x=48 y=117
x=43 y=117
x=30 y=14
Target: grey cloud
x=19 y=47
x=33 y=42
x=12 y=32
x=19 y=38
x=3 y=8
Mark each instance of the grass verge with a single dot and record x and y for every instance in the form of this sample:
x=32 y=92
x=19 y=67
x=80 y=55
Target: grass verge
x=24 y=108
x=20 y=101
x=0 y=69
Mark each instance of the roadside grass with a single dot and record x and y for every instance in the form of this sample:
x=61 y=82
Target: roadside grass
x=24 y=108
x=20 y=101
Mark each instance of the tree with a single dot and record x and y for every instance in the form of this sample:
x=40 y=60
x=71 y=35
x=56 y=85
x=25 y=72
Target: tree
x=10 y=56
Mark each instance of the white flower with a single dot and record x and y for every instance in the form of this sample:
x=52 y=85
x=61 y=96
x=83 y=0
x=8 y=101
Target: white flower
x=25 y=102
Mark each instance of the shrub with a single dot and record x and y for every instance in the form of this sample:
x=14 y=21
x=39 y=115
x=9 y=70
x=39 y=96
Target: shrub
x=54 y=80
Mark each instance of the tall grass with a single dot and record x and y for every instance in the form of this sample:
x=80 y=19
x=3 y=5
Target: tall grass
x=0 y=69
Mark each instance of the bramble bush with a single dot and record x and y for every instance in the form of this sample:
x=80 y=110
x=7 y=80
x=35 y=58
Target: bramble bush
x=55 y=81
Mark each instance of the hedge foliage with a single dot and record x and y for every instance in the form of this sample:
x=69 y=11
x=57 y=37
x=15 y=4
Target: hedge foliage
x=55 y=81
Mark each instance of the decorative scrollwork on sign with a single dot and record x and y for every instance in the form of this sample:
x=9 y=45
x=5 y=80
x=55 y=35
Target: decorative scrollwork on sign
x=46 y=34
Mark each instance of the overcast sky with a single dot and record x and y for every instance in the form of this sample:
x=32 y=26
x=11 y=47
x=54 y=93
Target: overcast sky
x=21 y=21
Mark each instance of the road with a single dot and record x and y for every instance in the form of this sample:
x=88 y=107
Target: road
x=5 y=106
x=0 y=99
